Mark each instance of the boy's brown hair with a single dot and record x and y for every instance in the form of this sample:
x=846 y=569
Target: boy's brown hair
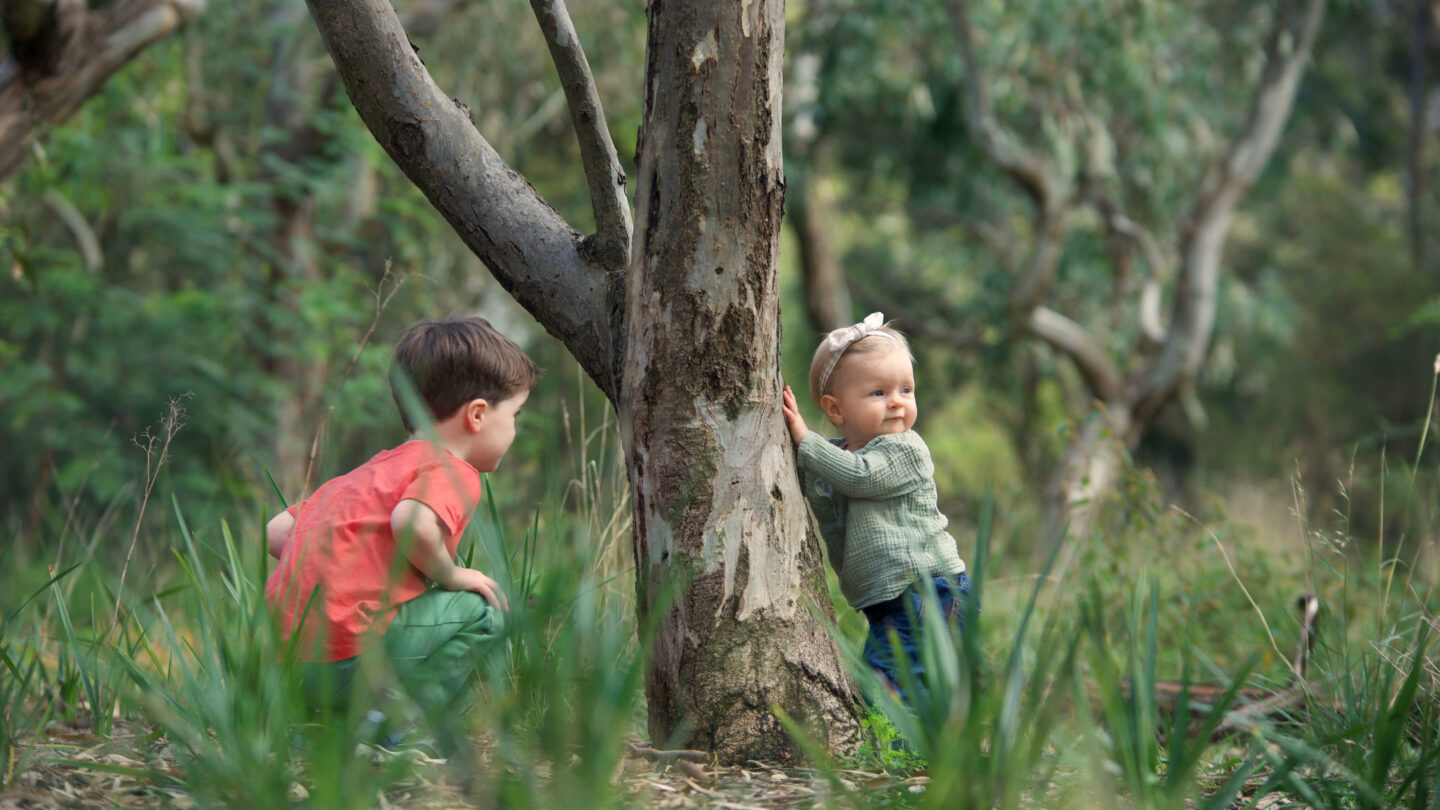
x=453 y=361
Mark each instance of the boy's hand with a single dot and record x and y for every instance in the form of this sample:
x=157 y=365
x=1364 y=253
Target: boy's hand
x=468 y=579
x=422 y=534
x=793 y=419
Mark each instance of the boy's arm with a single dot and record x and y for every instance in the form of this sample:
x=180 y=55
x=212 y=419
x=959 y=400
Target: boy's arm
x=885 y=468
x=418 y=524
x=277 y=533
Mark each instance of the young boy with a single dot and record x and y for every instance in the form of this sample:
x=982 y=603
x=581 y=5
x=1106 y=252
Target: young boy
x=873 y=491
x=358 y=558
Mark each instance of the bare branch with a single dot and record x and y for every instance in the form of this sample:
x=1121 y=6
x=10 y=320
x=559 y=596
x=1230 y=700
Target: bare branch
x=1039 y=273
x=1031 y=171
x=1000 y=146
x=824 y=289
x=1150 y=322
x=603 y=171
x=1286 y=54
x=528 y=247
x=1074 y=341
x=79 y=226
x=64 y=53
x=1099 y=163
x=1203 y=240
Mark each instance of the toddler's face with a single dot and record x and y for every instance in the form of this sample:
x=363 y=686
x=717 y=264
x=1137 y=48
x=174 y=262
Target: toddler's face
x=871 y=394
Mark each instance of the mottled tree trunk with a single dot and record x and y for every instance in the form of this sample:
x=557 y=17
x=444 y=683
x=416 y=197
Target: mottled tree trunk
x=716 y=496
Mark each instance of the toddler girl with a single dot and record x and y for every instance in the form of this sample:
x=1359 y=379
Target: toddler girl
x=873 y=489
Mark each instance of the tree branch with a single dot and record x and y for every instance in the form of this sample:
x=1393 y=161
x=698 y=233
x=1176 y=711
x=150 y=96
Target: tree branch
x=1203 y=239
x=528 y=247
x=74 y=220
x=1074 y=341
x=63 y=54
x=1099 y=164
x=1151 y=325
x=1000 y=146
x=1031 y=171
x=603 y=171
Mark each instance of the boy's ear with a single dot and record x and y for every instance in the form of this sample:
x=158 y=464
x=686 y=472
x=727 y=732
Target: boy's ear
x=831 y=406
x=474 y=411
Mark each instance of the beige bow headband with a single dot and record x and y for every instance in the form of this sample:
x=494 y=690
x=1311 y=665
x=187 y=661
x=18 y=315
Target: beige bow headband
x=839 y=341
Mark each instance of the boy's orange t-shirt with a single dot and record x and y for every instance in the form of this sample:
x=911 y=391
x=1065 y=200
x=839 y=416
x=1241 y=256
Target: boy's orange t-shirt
x=342 y=545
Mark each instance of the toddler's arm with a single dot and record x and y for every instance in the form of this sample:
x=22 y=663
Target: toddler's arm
x=885 y=468
x=277 y=533
x=426 y=551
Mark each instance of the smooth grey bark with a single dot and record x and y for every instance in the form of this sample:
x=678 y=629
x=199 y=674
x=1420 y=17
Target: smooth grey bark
x=1170 y=355
x=62 y=53
x=682 y=333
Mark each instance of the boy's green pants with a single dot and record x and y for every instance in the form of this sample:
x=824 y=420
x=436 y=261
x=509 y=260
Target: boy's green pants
x=433 y=646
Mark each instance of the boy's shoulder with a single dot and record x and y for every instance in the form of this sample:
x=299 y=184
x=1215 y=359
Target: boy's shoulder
x=418 y=457
x=397 y=473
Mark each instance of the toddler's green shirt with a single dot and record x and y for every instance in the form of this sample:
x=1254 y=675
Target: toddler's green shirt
x=878 y=512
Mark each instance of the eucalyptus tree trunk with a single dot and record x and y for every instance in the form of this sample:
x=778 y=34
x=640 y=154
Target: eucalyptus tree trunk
x=716 y=496
x=680 y=330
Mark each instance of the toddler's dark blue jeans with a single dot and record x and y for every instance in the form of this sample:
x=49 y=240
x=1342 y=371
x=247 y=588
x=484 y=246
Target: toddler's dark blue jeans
x=903 y=616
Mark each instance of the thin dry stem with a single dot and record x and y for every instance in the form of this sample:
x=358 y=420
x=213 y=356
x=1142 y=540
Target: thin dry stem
x=1429 y=410
x=1236 y=576
x=155 y=460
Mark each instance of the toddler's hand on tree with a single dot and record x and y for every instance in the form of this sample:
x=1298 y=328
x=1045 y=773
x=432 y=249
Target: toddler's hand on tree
x=793 y=419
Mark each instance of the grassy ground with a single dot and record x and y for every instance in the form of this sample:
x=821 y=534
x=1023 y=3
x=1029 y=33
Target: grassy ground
x=161 y=688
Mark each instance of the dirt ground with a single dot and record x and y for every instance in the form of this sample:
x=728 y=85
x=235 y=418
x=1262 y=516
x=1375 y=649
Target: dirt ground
x=73 y=768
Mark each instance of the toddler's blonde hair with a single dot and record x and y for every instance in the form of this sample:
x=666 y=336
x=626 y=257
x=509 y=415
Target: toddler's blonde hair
x=825 y=357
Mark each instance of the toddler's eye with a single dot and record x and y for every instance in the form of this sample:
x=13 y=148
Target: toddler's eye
x=905 y=389
x=877 y=393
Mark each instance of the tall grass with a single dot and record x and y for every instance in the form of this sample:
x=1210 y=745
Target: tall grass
x=197 y=666
x=1048 y=699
